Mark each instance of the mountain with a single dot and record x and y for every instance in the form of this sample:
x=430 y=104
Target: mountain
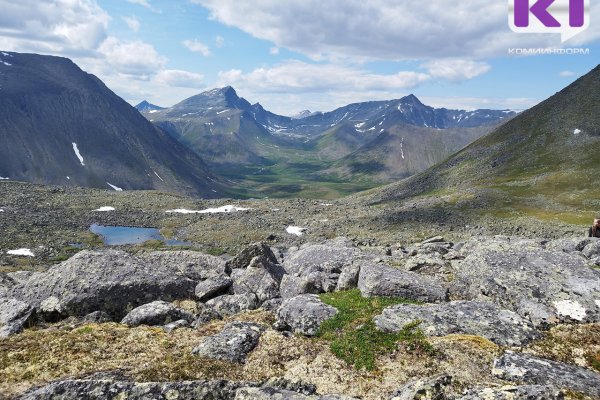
x=304 y=114
x=543 y=162
x=60 y=125
x=351 y=148
x=144 y=106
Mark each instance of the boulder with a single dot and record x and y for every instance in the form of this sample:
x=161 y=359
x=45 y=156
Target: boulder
x=262 y=278
x=313 y=279
x=269 y=393
x=528 y=392
x=233 y=304
x=545 y=286
x=336 y=253
x=97 y=317
x=432 y=388
x=348 y=278
x=156 y=313
x=503 y=327
x=213 y=287
x=171 y=326
x=14 y=315
x=570 y=245
x=243 y=258
x=233 y=343
x=381 y=280
x=112 y=281
x=192 y=264
x=592 y=249
x=528 y=369
x=91 y=389
x=304 y=314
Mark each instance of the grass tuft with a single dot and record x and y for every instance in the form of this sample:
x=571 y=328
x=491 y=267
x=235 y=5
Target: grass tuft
x=353 y=335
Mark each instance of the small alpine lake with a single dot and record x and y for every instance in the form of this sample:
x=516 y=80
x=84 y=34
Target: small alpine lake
x=121 y=235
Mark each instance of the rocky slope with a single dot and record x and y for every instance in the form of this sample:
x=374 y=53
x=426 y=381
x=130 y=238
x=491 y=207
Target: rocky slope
x=60 y=125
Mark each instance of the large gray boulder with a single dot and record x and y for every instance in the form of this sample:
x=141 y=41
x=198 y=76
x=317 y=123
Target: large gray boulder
x=313 y=279
x=381 y=280
x=570 y=245
x=233 y=343
x=543 y=285
x=14 y=315
x=338 y=252
x=195 y=265
x=100 y=389
x=304 y=314
x=233 y=304
x=348 y=278
x=262 y=278
x=525 y=392
x=156 y=313
x=213 y=287
x=110 y=280
x=592 y=249
x=484 y=319
x=243 y=258
x=528 y=369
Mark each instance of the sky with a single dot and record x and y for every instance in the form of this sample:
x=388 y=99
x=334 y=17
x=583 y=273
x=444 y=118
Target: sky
x=292 y=55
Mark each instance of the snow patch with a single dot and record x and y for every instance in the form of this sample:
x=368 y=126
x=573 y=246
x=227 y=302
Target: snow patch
x=68 y=177
x=360 y=125
x=77 y=153
x=105 y=209
x=295 y=230
x=5 y=54
x=1 y=210
x=221 y=112
x=576 y=131
x=326 y=204
x=570 y=308
x=118 y=189
x=153 y=111
x=7 y=64
x=598 y=303
x=158 y=175
x=223 y=209
x=4 y=179
x=21 y=252
x=402 y=148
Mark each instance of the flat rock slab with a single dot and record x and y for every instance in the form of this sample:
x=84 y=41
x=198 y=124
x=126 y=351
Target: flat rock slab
x=545 y=286
x=304 y=314
x=233 y=304
x=156 y=313
x=193 y=264
x=233 y=343
x=381 y=280
x=14 y=314
x=109 y=280
x=527 y=369
x=107 y=389
x=213 y=287
x=252 y=393
x=339 y=252
x=528 y=392
x=484 y=319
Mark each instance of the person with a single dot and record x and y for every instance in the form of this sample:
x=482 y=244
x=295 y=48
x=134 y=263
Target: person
x=595 y=229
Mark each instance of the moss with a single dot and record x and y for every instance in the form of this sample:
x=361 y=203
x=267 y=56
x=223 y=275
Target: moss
x=215 y=251
x=353 y=335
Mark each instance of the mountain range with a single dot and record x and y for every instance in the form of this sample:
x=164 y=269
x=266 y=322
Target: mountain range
x=60 y=125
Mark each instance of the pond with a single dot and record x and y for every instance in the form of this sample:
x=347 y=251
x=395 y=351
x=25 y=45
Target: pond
x=119 y=235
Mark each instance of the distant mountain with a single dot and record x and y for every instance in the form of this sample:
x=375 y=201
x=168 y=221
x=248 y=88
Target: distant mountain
x=249 y=144
x=144 y=106
x=304 y=114
x=546 y=158
x=60 y=125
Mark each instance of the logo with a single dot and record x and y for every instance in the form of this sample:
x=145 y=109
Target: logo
x=567 y=17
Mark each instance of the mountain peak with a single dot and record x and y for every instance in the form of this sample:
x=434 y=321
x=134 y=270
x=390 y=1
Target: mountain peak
x=411 y=99
x=146 y=106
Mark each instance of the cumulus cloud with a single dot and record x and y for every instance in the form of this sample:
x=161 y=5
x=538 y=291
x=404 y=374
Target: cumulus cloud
x=456 y=70
x=381 y=29
x=135 y=58
x=177 y=78
x=197 y=47
x=133 y=23
x=67 y=27
x=146 y=4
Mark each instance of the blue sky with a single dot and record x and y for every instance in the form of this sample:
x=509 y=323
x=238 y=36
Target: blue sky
x=301 y=54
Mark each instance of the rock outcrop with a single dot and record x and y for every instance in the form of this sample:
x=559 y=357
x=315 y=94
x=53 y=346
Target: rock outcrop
x=156 y=313
x=304 y=314
x=233 y=343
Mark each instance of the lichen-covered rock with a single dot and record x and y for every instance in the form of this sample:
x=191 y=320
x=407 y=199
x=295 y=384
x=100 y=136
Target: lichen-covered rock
x=592 y=249
x=233 y=343
x=171 y=326
x=570 y=245
x=243 y=258
x=335 y=253
x=528 y=369
x=380 y=280
x=348 y=278
x=304 y=314
x=109 y=280
x=14 y=315
x=528 y=392
x=233 y=304
x=108 y=389
x=97 y=317
x=269 y=393
x=192 y=264
x=262 y=278
x=213 y=287
x=156 y=313
x=542 y=285
x=313 y=279
x=432 y=388
x=484 y=319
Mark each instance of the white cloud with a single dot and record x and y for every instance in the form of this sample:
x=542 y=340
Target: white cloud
x=219 y=41
x=135 y=58
x=176 y=78
x=133 y=23
x=456 y=70
x=68 y=27
x=567 y=74
x=145 y=3
x=380 y=29
x=274 y=51
x=197 y=47
x=298 y=76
